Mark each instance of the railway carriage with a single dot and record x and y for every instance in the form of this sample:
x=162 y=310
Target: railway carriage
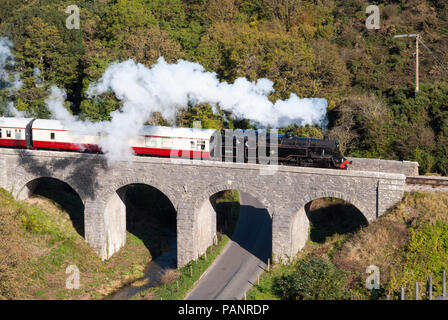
x=13 y=132
x=54 y=134
x=173 y=142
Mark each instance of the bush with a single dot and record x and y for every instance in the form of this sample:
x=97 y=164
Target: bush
x=314 y=279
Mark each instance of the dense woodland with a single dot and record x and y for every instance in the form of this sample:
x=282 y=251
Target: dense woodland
x=318 y=48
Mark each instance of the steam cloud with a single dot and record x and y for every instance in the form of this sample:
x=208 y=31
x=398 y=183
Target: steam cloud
x=6 y=75
x=166 y=88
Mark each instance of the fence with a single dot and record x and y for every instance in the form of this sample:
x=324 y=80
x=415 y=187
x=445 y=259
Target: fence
x=429 y=290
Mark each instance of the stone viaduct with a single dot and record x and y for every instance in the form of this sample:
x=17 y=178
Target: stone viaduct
x=189 y=185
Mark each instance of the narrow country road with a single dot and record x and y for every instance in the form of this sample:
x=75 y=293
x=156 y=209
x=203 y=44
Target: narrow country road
x=243 y=259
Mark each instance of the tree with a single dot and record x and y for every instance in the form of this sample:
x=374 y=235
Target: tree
x=238 y=50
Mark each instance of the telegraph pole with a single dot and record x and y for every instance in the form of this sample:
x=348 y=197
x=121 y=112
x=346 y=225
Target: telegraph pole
x=416 y=66
x=417 y=84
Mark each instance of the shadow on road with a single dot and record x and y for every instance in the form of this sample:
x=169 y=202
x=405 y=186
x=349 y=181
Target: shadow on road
x=253 y=231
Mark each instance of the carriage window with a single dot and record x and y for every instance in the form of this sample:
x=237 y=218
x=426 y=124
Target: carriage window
x=201 y=145
x=167 y=143
x=0 y=133
x=193 y=145
x=150 y=142
x=8 y=133
x=52 y=136
x=18 y=134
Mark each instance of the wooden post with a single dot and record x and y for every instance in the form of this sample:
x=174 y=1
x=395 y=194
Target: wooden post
x=430 y=287
x=258 y=280
x=205 y=255
x=444 y=283
x=388 y=297
x=245 y=297
x=416 y=290
x=402 y=294
x=177 y=285
x=191 y=271
x=417 y=85
x=269 y=264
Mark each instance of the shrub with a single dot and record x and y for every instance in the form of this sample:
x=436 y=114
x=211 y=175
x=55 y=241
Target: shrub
x=314 y=279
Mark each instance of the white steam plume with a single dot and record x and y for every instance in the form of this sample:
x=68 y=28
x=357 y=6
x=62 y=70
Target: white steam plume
x=38 y=77
x=55 y=104
x=9 y=80
x=167 y=88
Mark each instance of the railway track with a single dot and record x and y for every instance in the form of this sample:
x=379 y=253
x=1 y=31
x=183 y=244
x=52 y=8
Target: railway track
x=428 y=183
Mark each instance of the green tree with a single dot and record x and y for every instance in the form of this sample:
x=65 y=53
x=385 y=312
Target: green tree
x=238 y=50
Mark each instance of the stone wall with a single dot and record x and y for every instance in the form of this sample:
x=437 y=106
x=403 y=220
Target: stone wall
x=408 y=168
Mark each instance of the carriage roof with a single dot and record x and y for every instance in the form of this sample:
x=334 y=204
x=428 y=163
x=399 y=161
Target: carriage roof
x=175 y=132
x=14 y=122
x=172 y=132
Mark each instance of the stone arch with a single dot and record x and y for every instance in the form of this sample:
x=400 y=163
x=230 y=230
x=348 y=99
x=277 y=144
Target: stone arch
x=334 y=194
x=235 y=185
x=25 y=186
x=299 y=223
x=117 y=184
x=62 y=195
x=114 y=210
x=203 y=210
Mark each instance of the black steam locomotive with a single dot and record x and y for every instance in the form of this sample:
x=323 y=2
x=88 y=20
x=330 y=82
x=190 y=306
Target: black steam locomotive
x=253 y=147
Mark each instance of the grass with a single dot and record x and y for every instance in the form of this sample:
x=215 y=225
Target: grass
x=408 y=244
x=227 y=209
x=265 y=290
x=177 y=284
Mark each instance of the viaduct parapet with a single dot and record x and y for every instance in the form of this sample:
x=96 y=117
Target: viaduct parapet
x=189 y=184
x=408 y=168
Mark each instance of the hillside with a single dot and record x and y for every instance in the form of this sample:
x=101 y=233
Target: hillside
x=407 y=244
x=311 y=48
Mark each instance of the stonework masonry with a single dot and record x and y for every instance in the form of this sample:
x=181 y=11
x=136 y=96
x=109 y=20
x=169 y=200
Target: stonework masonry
x=408 y=168
x=189 y=185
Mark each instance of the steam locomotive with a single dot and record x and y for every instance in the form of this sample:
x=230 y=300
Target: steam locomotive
x=248 y=146
x=287 y=149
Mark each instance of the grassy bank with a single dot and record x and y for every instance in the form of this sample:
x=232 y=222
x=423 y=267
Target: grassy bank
x=408 y=244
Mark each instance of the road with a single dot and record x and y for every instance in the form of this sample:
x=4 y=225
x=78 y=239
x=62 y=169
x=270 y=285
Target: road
x=242 y=260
